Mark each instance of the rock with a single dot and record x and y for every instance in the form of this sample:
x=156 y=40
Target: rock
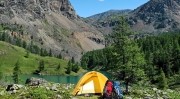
x=2 y=93
x=12 y=92
x=74 y=98
x=165 y=97
x=169 y=90
x=47 y=88
x=164 y=93
x=147 y=97
x=59 y=97
x=54 y=87
x=158 y=91
x=14 y=87
x=128 y=97
x=68 y=86
x=155 y=89
x=35 y=81
x=159 y=98
x=87 y=95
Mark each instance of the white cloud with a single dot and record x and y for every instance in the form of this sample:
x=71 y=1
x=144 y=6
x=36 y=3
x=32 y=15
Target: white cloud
x=101 y=0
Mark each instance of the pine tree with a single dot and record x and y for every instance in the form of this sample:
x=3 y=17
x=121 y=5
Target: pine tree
x=41 y=65
x=59 y=56
x=50 y=53
x=41 y=52
x=18 y=42
x=27 y=54
x=45 y=53
x=3 y=36
x=16 y=73
x=24 y=45
x=127 y=57
x=58 y=67
x=1 y=75
x=75 y=68
x=72 y=60
x=162 y=80
x=69 y=67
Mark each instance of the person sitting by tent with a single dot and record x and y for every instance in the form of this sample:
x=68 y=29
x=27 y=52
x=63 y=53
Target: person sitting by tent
x=112 y=90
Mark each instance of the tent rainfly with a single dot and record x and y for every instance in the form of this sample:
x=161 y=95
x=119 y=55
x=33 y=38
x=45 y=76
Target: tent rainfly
x=91 y=82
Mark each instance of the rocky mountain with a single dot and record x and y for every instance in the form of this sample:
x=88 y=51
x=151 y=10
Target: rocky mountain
x=106 y=20
x=152 y=17
x=51 y=24
x=156 y=16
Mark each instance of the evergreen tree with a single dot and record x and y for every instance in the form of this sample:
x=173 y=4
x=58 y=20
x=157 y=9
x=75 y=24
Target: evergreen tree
x=24 y=45
x=50 y=53
x=45 y=53
x=1 y=75
x=41 y=52
x=41 y=65
x=162 y=80
x=31 y=47
x=69 y=67
x=127 y=57
x=58 y=67
x=72 y=60
x=27 y=54
x=0 y=37
x=75 y=68
x=16 y=73
x=59 y=56
x=3 y=36
x=18 y=42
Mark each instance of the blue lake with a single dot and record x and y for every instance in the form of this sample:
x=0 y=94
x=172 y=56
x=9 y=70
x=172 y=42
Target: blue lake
x=52 y=78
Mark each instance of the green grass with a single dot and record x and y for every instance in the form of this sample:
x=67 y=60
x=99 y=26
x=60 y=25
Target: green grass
x=10 y=54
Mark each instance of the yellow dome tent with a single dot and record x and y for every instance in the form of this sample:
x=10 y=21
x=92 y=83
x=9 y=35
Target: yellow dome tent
x=91 y=82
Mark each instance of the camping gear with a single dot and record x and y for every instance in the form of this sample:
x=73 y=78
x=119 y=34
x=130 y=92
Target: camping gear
x=91 y=83
x=112 y=90
x=108 y=90
x=117 y=90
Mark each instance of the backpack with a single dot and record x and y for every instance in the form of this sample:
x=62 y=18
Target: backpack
x=118 y=94
x=108 y=90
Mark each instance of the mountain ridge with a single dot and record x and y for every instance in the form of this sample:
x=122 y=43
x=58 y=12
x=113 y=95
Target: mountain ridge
x=155 y=16
x=105 y=20
x=52 y=25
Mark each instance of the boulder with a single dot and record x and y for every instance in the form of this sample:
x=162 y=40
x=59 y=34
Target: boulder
x=35 y=81
x=54 y=87
x=154 y=89
x=12 y=87
x=2 y=93
x=59 y=97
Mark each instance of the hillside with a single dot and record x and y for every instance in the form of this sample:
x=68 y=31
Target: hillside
x=10 y=54
x=106 y=20
x=155 y=16
x=50 y=24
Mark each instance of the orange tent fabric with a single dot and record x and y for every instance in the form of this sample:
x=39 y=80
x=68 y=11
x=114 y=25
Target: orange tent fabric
x=91 y=82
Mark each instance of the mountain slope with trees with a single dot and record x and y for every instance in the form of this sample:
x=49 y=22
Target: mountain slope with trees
x=106 y=20
x=28 y=63
x=154 y=59
x=52 y=25
x=155 y=16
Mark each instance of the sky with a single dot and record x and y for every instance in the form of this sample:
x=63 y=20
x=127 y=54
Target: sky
x=85 y=8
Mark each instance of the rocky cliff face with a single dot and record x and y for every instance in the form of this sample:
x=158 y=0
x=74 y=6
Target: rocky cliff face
x=37 y=8
x=51 y=24
x=105 y=21
x=156 y=16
